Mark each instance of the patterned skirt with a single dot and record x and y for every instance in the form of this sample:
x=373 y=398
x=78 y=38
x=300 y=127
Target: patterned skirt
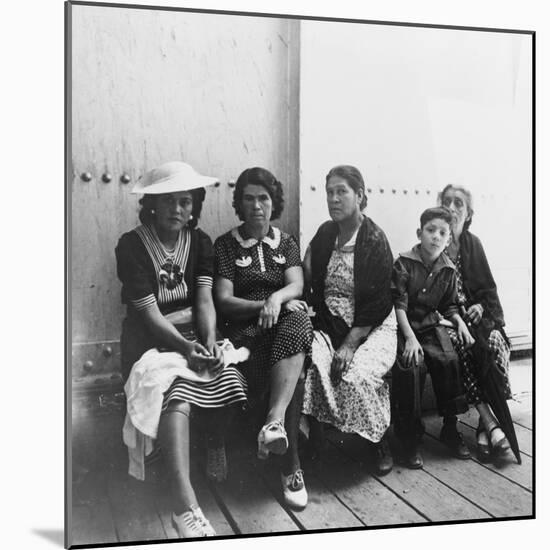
x=471 y=372
x=360 y=403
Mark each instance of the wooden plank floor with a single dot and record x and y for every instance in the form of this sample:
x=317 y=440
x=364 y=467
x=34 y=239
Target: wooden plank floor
x=109 y=506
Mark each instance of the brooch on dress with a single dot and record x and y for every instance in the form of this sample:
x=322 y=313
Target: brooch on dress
x=245 y=261
x=170 y=274
x=279 y=259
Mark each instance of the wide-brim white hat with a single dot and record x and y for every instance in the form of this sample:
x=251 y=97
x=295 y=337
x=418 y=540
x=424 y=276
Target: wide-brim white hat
x=171 y=177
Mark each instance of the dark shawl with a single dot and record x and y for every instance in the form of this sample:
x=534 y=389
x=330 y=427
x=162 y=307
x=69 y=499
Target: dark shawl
x=480 y=288
x=479 y=285
x=372 y=273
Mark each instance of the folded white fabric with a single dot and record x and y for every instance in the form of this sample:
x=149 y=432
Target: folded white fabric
x=149 y=378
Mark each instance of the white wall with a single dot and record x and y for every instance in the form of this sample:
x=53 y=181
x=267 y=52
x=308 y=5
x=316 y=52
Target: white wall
x=415 y=109
x=150 y=86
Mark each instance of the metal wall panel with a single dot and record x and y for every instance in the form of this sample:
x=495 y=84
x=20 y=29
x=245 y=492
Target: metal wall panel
x=219 y=92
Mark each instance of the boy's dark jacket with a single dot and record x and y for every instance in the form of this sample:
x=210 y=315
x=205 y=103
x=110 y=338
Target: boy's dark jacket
x=427 y=295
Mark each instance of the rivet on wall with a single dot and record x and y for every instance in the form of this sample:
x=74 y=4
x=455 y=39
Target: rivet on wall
x=217 y=184
x=405 y=191
x=428 y=191
x=231 y=183
x=313 y=188
x=106 y=178
x=394 y=191
x=86 y=176
x=416 y=191
x=107 y=351
x=88 y=366
x=381 y=190
x=369 y=190
x=125 y=178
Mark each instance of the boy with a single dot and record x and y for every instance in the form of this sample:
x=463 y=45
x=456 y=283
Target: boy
x=424 y=294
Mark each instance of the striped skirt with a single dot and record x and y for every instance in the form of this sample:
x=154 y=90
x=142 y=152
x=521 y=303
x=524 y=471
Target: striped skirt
x=226 y=389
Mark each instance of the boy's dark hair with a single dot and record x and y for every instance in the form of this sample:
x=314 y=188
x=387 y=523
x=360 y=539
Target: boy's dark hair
x=440 y=212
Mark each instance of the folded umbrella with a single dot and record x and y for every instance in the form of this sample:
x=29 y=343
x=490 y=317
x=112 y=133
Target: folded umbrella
x=493 y=383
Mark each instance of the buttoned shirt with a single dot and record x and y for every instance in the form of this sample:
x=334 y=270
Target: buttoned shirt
x=426 y=293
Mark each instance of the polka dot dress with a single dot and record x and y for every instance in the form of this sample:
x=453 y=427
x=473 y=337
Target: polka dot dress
x=257 y=269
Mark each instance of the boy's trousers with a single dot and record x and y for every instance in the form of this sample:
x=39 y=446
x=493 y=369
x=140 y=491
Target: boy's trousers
x=442 y=362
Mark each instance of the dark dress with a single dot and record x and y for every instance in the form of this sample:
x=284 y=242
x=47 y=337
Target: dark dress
x=149 y=273
x=257 y=269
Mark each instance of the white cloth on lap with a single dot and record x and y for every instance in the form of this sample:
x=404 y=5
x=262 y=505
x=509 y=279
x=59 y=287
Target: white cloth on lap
x=149 y=378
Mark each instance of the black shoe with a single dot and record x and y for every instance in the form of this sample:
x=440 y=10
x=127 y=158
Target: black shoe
x=384 y=459
x=452 y=438
x=412 y=457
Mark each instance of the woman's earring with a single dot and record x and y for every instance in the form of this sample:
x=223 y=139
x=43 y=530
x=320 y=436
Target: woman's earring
x=190 y=217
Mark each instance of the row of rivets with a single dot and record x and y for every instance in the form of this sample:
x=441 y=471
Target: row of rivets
x=105 y=178
x=125 y=178
x=395 y=191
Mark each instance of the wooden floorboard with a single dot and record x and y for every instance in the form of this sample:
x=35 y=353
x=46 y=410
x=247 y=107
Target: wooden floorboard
x=521 y=410
x=134 y=511
x=524 y=435
x=344 y=490
x=205 y=498
x=371 y=501
x=251 y=505
x=505 y=465
x=493 y=493
x=431 y=498
x=324 y=509
x=92 y=518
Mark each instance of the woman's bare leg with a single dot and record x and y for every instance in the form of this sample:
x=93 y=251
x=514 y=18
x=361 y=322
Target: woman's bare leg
x=291 y=460
x=284 y=377
x=173 y=436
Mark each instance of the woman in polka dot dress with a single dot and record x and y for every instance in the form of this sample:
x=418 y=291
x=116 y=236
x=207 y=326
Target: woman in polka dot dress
x=259 y=282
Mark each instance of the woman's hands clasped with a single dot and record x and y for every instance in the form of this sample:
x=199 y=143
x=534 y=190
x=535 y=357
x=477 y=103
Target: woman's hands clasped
x=269 y=314
x=201 y=358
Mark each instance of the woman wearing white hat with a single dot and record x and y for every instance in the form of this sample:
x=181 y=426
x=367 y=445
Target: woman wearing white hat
x=169 y=353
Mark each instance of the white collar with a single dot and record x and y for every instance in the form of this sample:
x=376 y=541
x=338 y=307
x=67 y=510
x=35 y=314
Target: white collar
x=251 y=241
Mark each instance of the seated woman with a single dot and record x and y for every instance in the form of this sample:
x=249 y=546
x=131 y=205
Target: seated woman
x=480 y=305
x=258 y=279
x=165 y=265
x=348 y=266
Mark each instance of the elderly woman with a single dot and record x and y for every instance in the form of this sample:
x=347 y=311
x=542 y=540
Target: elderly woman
x=480 y=305
x=166 y=269
x=258 y=281
x=348 y=267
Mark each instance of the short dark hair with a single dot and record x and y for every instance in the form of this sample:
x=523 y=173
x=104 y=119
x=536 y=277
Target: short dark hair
x=353 y=178
x=263 y=177
x=439 y=212
x=149 y=202
x=469 y=201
